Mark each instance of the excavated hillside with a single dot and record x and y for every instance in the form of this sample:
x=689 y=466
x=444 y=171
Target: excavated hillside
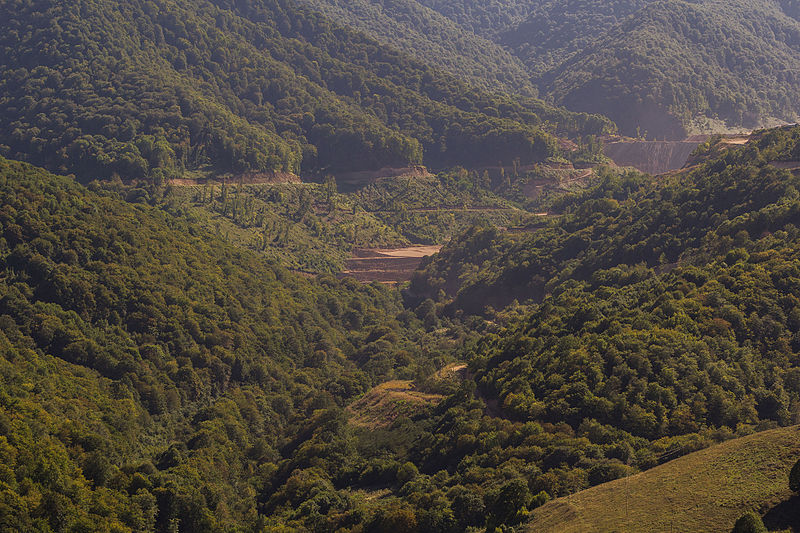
x=654 y=157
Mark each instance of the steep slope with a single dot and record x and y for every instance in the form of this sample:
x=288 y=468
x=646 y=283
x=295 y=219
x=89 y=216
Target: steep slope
x=653 y=157
x=704 y=491
x=153 y=375
x=622 y=222
x=554 y=31
x=488 y=18
x=675 y=62
x=656 y=67
x=434 y=39
x=151 y=89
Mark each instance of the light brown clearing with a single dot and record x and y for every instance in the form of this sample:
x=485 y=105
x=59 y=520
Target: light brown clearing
x=452 y=371
x=411 y=251
x=368 y=176
x=789 y=165
x=386 y=265
x=383 y=404
x=736 y=140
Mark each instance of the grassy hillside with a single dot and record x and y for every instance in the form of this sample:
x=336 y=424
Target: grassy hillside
x=703 y=491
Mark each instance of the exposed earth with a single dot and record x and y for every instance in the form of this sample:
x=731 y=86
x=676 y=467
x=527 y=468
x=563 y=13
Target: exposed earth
x=386 y=265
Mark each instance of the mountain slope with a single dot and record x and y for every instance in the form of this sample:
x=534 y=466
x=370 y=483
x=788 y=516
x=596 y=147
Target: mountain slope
x=150 y=90
x=703 y=491
x=487 y=18
x=675 y=62
x=662 y=67
x=625 y=221
x=555 y=31
x=154 y=375
x=434 y=39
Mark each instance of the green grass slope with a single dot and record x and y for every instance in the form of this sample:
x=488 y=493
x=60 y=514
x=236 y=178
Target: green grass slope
x=703 y=491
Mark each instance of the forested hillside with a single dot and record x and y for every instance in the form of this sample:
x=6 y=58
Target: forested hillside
x=488 y=18
x=554 y=31
x=657 y=68
x=150 y=89
x=675 y=62
x=434 y=39
x=155 y=377
x=627 y=221
x=188 y=355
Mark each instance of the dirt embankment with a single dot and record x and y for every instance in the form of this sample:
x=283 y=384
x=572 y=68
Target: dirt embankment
x=389 y=265
x=653 y=157
x=246 y=178
x=368 y=176
x=792 y=166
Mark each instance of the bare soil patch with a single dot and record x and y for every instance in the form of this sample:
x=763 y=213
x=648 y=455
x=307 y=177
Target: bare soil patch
x=247 y=178
x=386 y=265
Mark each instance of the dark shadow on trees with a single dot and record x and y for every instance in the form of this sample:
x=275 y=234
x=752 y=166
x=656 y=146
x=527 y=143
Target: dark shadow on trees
x=785 y=515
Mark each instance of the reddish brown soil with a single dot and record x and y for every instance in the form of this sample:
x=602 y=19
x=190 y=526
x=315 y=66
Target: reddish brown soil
x=386 y=265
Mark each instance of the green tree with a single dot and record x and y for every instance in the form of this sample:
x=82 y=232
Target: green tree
x=749 y=523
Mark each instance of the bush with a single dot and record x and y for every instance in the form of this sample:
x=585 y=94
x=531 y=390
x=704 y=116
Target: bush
x=749 y=523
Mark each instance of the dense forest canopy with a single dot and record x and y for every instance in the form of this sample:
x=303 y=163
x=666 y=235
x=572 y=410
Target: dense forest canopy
x=625 y=220
x=157 y=377
x=674 y=62
x=554 y=31
x=488 y=18
x=144 y=359
x=177 y=357
x=149 y=89
x=657 y=68
x=434 y=39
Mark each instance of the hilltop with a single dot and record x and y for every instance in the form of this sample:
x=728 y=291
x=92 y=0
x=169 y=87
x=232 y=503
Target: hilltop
x=675 y=62
x=435 y=39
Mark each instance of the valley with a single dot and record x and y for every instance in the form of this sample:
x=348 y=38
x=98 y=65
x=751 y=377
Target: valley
x=404 y=266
